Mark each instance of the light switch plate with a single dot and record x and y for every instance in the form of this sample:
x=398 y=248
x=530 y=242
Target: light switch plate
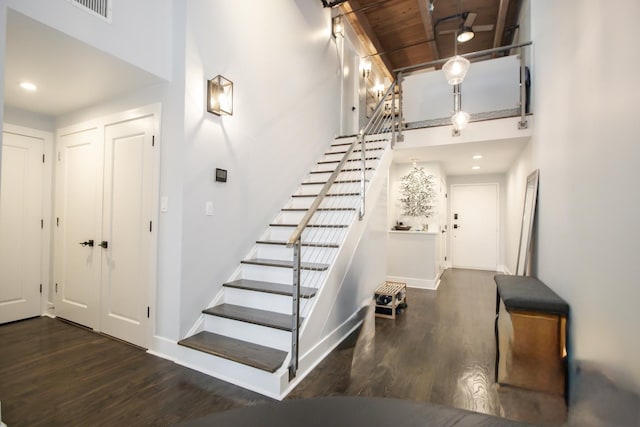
x=208 y=208
x=164 y=203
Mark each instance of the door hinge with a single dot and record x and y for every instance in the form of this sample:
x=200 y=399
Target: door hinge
x=58 y=221
x=56 y=288
x=150 y=226
x=42 y=223
x=43 y=158
x=148 y=312
x=153 y=140
x=445 y=258
x=59 y=156
x=40 y=287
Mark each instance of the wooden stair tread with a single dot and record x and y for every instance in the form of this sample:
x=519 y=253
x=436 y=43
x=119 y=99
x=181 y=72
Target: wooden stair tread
x=309 y=244
x=354 y=151
x=357 y=143
x=326 y=162
x=247 y=353
x=311 y=225
x=270 y=319
x=319 y=209
x=270 y=287
x=327 y=195
x=285 y=264
x=343 y=181
x=343 y=170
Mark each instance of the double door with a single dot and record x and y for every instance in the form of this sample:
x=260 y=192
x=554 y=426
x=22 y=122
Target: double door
x=103 y=228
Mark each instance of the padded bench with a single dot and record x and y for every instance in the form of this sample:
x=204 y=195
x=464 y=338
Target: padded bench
x=531 y=319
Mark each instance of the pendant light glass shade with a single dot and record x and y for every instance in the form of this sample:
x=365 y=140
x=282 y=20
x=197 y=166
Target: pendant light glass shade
x=455 y=69
x=460 y=120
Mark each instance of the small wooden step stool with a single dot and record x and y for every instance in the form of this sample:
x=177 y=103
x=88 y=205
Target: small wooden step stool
x=391 y=289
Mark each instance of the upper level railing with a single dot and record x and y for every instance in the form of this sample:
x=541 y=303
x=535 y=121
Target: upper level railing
x=497 y=87
x=323 y=226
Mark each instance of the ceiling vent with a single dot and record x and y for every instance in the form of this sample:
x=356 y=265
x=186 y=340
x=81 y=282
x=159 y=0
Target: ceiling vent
x=100 y=8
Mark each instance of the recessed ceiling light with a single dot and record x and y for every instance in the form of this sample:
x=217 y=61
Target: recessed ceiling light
x=477 y=157
x=475 y=168
x=28 y=86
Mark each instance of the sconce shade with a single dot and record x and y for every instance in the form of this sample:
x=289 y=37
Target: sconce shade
x=455 y=69
x=337 y=27
x=465 y=35
x=366 y=68
x=460 y=120
x=220 y=96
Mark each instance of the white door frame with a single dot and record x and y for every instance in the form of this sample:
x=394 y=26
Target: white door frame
x=46 y=300
x=100 y=124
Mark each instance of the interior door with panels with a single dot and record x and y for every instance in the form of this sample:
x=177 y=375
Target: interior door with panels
x=21 y=224
x=127 y=229
x=77 y=227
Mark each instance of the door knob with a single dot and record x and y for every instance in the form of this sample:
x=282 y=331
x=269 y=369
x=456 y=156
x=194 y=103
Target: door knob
x=87 y=243
x=104 y=244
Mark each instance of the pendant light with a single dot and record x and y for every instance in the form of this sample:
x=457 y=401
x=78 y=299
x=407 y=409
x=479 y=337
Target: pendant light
x=455 y=69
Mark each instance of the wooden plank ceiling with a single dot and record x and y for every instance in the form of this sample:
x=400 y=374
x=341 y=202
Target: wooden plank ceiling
x=403 y=33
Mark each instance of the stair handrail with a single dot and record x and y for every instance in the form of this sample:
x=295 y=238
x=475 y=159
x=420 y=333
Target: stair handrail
x=295 y=240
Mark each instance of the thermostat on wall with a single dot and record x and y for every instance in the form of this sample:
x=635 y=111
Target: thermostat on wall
x=221 y=175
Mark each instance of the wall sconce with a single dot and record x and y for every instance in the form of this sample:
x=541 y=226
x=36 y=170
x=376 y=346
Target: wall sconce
x=378 y=90
x=337 y=26
x=366 y=68
x=220 y=96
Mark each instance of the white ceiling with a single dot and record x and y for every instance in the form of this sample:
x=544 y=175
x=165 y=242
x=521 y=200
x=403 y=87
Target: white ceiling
x=456 y=159
x=70 y=74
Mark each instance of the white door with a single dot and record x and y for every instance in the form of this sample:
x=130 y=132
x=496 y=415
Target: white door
x=21 y=213
x=444 y=229
x=77 y=227
x=474 y=226
x=350 y=89
x=127 y=230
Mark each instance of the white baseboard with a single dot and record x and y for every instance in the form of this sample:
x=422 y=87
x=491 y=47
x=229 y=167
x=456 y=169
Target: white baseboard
x=504 y=269
x=414 y=282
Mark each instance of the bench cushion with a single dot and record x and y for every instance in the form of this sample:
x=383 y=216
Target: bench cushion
x=529 y=294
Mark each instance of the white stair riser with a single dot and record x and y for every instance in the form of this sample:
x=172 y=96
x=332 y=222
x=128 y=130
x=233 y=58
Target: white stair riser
x=317 y=235
x=281 y=252
x=263 y=301
x=320 y=217
x=276 y=274
x=268 y=337
x=342 y=202
x=350 y=187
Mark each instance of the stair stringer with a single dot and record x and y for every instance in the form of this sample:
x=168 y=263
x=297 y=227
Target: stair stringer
x=317 y=340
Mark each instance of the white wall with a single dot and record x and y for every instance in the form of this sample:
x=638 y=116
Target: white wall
x=19 y=117
x=284 y=65
x=489 y=86
x=485 y=179
x=139 y=33
x=516 y=181
x=585 y=144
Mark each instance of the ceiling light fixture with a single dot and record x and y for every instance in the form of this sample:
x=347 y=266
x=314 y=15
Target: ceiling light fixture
x=28 y=86
x=465 y=34
x=477 y=157
x=460 y=120
x=475 y=168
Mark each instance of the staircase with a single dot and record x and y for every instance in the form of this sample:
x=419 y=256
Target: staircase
x=245 y=336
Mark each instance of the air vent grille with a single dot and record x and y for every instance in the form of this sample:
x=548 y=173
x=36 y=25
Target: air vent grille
x=101 y=8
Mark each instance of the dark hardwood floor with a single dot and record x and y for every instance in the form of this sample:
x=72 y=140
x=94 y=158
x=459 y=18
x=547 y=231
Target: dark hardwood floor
x=439 y=350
